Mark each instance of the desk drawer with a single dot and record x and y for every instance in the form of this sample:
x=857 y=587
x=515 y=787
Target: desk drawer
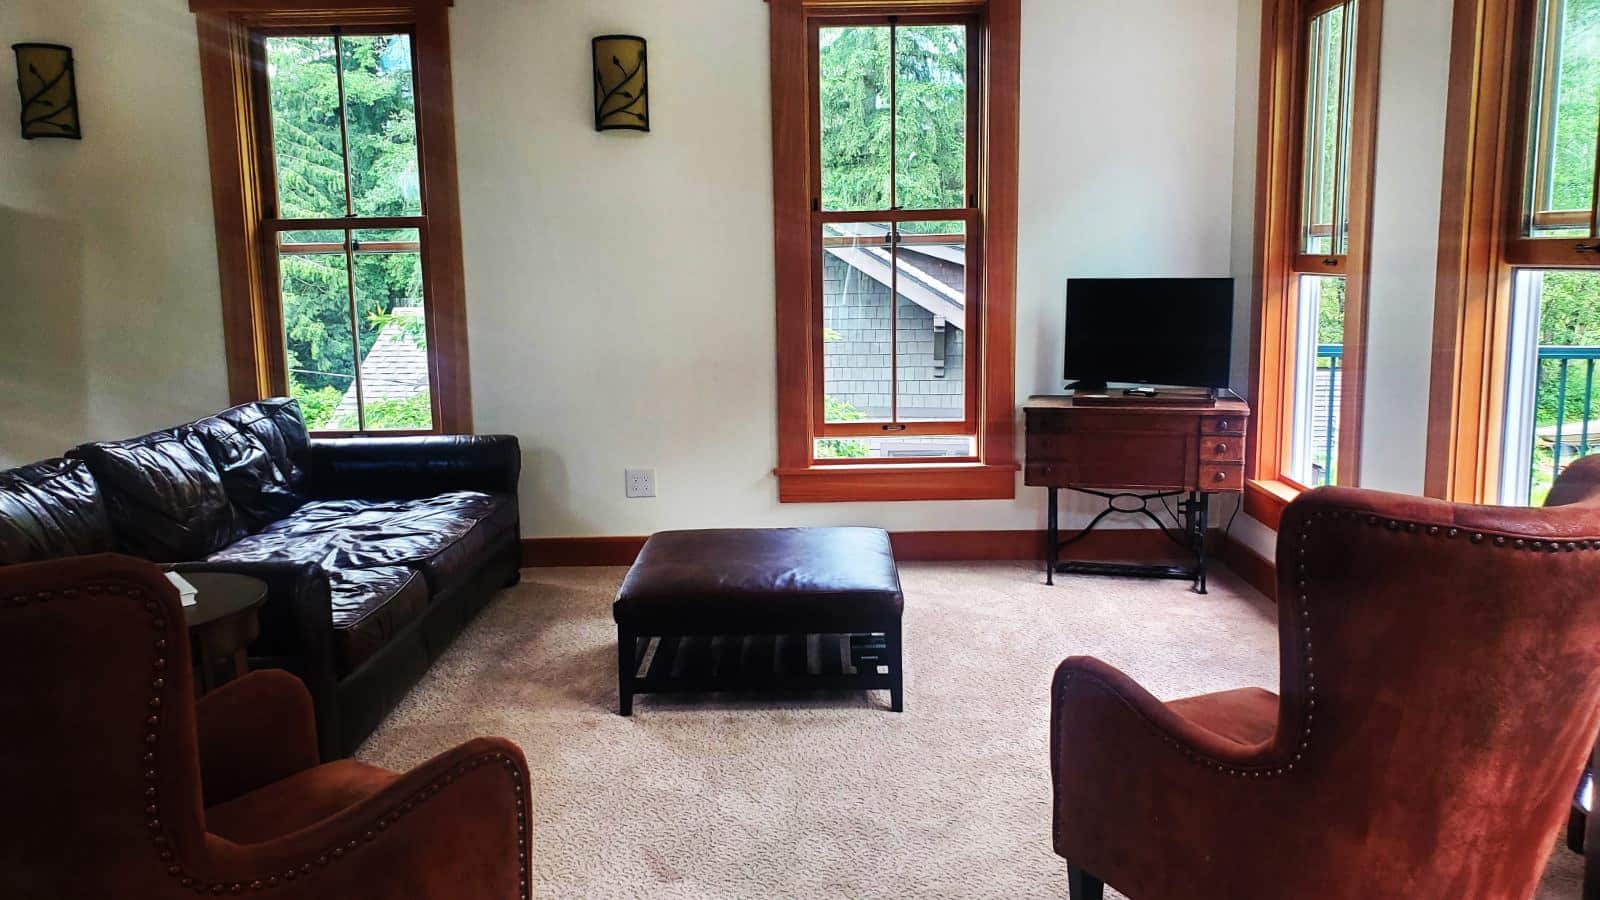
x=1222 y=424
x=1222 y=448
x=1222 y=477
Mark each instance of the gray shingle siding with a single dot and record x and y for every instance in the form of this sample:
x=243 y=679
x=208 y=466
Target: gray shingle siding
x=856 y=356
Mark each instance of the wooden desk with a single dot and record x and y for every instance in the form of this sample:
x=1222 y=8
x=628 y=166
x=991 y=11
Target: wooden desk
x=1130 y=454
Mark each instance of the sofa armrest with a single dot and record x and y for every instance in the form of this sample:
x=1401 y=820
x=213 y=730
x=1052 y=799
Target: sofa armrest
x=253 y=731
x=402 y=468
x=296 y=628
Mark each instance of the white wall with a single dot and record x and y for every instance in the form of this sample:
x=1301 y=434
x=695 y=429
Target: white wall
x=1409 y=170
x=620 y=285
x=109 y=318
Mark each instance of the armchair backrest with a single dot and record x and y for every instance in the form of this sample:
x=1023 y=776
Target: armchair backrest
x=99 y=764
x=1440 y=679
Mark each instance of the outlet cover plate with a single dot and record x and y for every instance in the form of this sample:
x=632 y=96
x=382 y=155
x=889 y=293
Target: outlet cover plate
x=640 y=482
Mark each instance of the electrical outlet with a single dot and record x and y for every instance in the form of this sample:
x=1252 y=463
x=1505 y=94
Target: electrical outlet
x=641 y=482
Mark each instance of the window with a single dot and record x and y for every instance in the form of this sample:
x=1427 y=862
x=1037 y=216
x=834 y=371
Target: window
x=1313 y=209
x=1518 y=314
x=896 y=249
x=338 y=235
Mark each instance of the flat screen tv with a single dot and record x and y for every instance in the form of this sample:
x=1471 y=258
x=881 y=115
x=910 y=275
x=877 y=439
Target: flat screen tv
x=1158 y=331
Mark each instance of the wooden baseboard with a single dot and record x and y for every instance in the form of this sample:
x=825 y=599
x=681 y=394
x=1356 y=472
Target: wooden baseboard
x=582 y=551
x=1257 y=571
x=909 y=546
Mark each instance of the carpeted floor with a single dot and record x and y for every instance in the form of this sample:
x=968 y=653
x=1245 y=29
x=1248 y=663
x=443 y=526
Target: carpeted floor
x=823 y=796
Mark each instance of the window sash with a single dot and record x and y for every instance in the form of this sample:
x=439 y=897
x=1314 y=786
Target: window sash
x=265 y=151
x=895 y=216
x=1316 y=102
x=1540 y=121
x=1299 y=354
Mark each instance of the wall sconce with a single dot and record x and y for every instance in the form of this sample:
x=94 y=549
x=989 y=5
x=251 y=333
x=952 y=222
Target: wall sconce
x=621 y=99
x=49 y=91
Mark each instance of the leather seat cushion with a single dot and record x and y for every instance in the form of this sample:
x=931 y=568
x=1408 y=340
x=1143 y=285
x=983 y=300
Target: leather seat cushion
x=164 y=494
x=261 y=488
x=303 y=799
x=1245 y=716
x=745 y=581
x=371 y=606
x=51 y=509
x=444 y=536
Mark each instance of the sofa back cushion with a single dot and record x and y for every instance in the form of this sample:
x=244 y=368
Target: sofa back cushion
x=277 y=424
x=164 y=494
x=260 y=488
x=51 y=509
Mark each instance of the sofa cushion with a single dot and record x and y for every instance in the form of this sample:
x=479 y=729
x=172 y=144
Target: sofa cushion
x=164 y=494
x=51 y=509
x=277 y=424
x=261 y=487
x=443 y=535
x=370 y=606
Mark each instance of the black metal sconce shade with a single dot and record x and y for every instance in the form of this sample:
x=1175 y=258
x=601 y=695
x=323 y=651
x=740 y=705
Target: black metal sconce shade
x=621 y=91
x=49 y=91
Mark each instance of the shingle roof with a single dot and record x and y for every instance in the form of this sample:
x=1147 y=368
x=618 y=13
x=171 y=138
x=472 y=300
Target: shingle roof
x=396 y=368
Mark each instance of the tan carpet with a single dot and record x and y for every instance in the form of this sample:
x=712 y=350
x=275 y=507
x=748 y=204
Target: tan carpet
x=829 y=796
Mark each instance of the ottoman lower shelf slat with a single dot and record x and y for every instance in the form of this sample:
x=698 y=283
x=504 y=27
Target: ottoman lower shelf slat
x=754 y=662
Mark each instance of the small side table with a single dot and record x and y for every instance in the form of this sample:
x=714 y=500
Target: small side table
x=222 y=623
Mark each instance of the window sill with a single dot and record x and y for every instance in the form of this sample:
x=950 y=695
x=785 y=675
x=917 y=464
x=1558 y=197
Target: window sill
x=1264 y=500
x=866 y=482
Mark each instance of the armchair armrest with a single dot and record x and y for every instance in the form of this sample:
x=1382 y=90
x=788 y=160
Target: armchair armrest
x=1087 y=692
x=296 y=628
x=253 y=731
x=409 y=467
x=1122 y=760
x=455 y=826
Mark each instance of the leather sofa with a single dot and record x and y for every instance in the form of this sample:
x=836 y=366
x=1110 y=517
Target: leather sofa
x=376 y=551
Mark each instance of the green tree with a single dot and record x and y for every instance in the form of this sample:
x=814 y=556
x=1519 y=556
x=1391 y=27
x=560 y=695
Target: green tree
x=926 y=122
x=842 y=448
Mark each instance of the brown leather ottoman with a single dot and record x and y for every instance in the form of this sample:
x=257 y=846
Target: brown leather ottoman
x=760 y=609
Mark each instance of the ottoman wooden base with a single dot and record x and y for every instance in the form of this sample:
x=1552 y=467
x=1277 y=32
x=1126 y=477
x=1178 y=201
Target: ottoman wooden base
x=761 y=610
x=758 y=663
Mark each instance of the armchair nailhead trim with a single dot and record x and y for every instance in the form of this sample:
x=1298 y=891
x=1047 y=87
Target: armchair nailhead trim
x=149 y=797
x=1302 y=588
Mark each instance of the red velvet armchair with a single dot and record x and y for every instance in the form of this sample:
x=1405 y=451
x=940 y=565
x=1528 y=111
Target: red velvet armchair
x=118 y=784
x=1440 y=676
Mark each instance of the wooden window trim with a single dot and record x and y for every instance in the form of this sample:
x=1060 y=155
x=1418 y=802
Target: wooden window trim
x=1481 y=241
x=1278 y=261
x=993 y=474
x=252 y=330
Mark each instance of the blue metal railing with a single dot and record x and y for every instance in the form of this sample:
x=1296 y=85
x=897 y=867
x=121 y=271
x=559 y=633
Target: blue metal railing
x=1564 y=357
x=1334 y=354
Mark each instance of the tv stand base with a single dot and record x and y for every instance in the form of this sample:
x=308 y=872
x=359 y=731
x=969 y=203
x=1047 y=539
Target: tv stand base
x=1193 y=513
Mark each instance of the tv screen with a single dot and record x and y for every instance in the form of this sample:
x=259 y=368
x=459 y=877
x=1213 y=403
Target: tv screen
x=1169 y=331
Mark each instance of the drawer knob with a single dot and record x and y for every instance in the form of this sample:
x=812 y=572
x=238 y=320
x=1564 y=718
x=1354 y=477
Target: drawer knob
x=1222 y=425
x=1219 y=476
x=1222 y=448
